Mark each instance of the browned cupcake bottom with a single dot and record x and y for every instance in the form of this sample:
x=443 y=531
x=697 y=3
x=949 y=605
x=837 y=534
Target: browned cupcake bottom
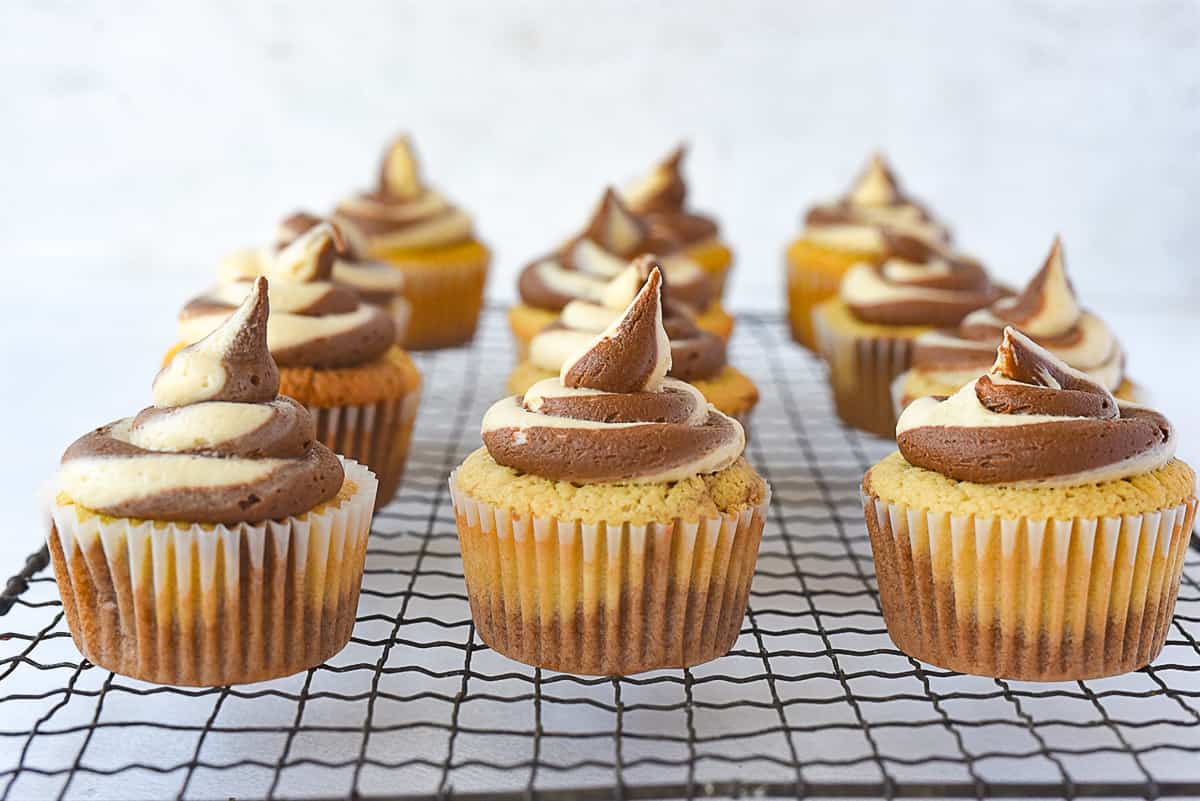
x=377 y=434
x=639 y=598
x=213 y=605
x=1029 y=600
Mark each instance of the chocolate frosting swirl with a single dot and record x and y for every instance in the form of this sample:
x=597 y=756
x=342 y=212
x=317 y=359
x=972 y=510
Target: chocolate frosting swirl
x=660 y=198
x=318 y=322
x=582 y=267
x=920 y=283
x=695 y=354
x=874 y=205
x=402 y=212
x=219 y=445
x=612 y=415
x=1047 y=310
x=375 y=282
x=1033 y=420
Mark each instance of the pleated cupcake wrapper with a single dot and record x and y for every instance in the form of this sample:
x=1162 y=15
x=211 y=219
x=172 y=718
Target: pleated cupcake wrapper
x=897 y=393
x=1036 y=600
x=807 y=289
x=861 y=372
x=606 y=598
x=375 y=434
x=446 y=300
x=212 y=605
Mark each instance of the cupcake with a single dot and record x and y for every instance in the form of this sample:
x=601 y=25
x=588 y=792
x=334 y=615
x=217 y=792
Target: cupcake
x=865 y=334
x=373 y=281
x=210 y=539
x=582 y=267
x=1047 y=311
x=847 y=232
x=430 y=240
x=697 y=357
x=336 y=354
x=610 y=524
x=660 y=199
x=1032 y=526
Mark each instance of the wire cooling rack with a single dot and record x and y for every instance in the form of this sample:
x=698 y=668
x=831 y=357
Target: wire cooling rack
x=814 y=701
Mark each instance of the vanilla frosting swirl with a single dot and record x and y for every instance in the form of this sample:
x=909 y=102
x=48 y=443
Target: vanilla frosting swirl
x=317 y=322
x=874 y=205
x=1032 y=419
x=660 y=198
x=612 y=415
x=582 y=268
x=695 y=354
x=918 y=284
x=219 y=445
x=402 y=212
x=1047 y=311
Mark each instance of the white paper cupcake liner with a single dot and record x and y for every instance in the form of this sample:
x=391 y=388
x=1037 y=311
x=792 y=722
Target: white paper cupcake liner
x=377 y=435
x=606 y=598
x=807 y=289
x=1037 y=600
x=445 y=301
x=213 y=604
x=861 y=372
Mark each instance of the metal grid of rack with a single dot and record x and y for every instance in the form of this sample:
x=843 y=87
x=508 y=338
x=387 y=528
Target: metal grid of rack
x=814 y=700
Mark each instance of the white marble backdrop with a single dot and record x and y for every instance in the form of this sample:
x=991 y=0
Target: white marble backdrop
x=143 y=140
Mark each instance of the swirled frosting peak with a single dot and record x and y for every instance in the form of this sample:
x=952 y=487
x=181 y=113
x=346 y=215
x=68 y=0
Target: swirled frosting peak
x=1047 y=310
x=219 y=445
x=874 y=205
x=231 y=364
x=663 y=188
x=402 y=213
x=695 y=354
x=317 y=322
x=582 y=267
x=660 y=198
x=632 y=355
x=920 y=283
x=612 y=415
x=1033 y=420
x=399 y=172
x=876 y=185
x=1048 y=306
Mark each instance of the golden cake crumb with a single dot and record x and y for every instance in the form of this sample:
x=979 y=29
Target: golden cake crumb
x=896 y=481
x=734 y=489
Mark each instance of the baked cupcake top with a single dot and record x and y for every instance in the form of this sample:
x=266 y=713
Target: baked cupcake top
x=612 y=415
x=919 y=283
x=583 y=266
x=695 y=354
x=1048 y=311
x=660 y=198
x=402 y=213
x=375 y=282
x=219 y=445
x=317 y=322
x=1033 y=420
x=875 y=204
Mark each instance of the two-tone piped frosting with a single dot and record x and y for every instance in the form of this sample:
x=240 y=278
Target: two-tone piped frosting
x=1047 y=311
x=317 y=321
x=219 y=445
x=1033 y=420
x=919 y=283
x=695 y=354
x=582 y=268
x=660 y=199
x=402 y=212
x=613 y=415
x=874 y=205
x=373 y=281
